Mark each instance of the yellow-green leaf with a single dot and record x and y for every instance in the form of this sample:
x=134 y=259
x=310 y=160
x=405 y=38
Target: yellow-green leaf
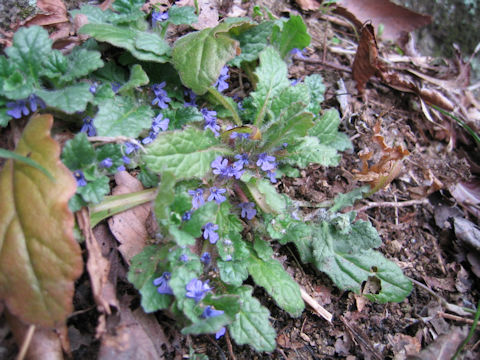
x=39 y=258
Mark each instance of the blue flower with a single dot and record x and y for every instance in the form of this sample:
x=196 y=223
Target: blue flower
x=161 y=97
x=184 y=257
x=220 y=166
x=298 y=53
x=115 y=86
x=159 y=124
x=272 y=175
x=158 y=16
x=17 y=109
x=206 y=258
x=221 y=83
x=216 y=194
x=106 y=163
x=78 y=174
x=248 y=210
x=209 y=232
x=126 y=160
x=93 y=87
x=196 y=289
x=187 y=216
x=192 y=97
x=88 y=126
x=237 y=135
x=210 y=312
x=242 y=160
x=210 y=118
x=197 y=199
x=36 y=102
x=228 y=257
x=227 y=242
x=220 y=333
x=130 y=147
x=121 y=168
x=162 y=284
x=294 y=82
x=266 y=162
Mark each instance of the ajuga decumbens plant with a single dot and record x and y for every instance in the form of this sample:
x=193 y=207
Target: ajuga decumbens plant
x=211 y=161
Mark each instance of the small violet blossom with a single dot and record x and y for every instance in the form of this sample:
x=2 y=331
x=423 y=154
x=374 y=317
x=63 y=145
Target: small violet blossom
x=158 y=124
x=161 y=98
x=78 y=174
x=106 y=163
x=272 y=175
x=121 y=168
x=221 y=83
x=158 y=16
x=209 y=232
x=210 y=118
x=298 y=53
x=196 y=289
x=126 y=160
x=242 y=160
x=266 y=162
x=220 y=333
x=130 y=147
x=88 y=126
x=237 y=135
x=192 y=97
x=216 y=194
x=162 y=284
x=228 y=257
x=93 y=87
x=248 y=210
x=220 y=167
x=187 y=216
x=206 y=258
x=19 y=108
x=115 y=86
x=197 y=199
x=210 y=312
x=184 y=257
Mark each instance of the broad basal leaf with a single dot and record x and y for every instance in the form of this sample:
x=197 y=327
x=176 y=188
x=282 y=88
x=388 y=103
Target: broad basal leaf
x=78 y=152
x=266 y=196
x=288 y=99
x=252 y=42
x=293 y=35
x=199 y=56
x=187 y=153
x=310 y=150
x=179 y=15
x=39 y=258
x=251 y=325
x=316 y=89
x=121 y=116
x=138 y=77
x=343 y=200
x=70 y=99
x=232 y=272
x=272 y=80
x=270 y=275
x=82 y=62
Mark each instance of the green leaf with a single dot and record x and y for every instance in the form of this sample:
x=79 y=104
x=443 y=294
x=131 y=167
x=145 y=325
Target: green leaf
x=233 y=272
x=316 y=89
x=252 y=42
x=182 y=116
x=4 y=118
x=199 y=56
x=95 y=191
x=263 y=249
x=179 y=15
x=187 y=153
x=112 y=151
x=228 y=303
x=148 y=178
x=6 y=154
x=39 y=257
x=94 y=14
x=310 y=150
x=227 y=221
x=55 y=65
x=326 y=127
x=127 y=6
x=31 y=45
x=180 y=277
x=121 y=116
x=82 y=62
x=165 y=197
x=17 y=86
x=207 y=326
x=349 y=261
x=293 y=35
x=270 y=275
x=78 y=153
x=143 y=270
x=289 y=102
x=343 y=200
x=199 y=218
x=272 y=80
x=266 y=196
x=144 y=46
x=70 y=99
x=251 y=325
x=138 y=77
x=180 y=237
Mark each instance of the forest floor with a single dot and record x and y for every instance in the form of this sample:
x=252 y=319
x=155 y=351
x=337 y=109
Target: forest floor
x=418 y=215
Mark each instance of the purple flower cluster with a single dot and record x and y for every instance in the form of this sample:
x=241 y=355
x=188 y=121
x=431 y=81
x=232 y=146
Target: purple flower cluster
x=192 y=97
x=161 y=98
x=210 y=118
x=237 y=135
x=162 y=284
x=196 y=289
x=220 y=167
x=209 y=232
x=158 y=124
x=80 y=177
x=268 y=164
x=19 y=108
x=221 y=83
x=88 y=126
x=197 y=198
x=298 y=53
x=106 y=163
x=248 y=210
x=130 y=148
x=216 y=194
x=158 y=16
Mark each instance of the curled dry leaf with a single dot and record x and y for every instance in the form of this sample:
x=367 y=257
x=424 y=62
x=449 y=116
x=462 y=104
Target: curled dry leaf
x=53 y=12
x=308 y=4
x=129 y=227
x=387 y=168
x=39 y=257
x=443 y=347
x=397 y=20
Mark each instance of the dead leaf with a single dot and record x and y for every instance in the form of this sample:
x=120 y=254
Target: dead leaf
x=129 y=226
x=467 y=232
x=98 y=267
x=53 y=12
x=443 y=347
x=467 y=194
x=403 y=345
x=208 y=16
x=39 y=257
x=397 y=20
x=308 y=4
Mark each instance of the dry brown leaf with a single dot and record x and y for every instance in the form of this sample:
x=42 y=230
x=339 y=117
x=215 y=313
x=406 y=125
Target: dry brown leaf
x=403 y=345
x=396 y=19
x=443 y=347
x=98 y=267
x=53 y=12
x=308 y=4
x=129 y=226
x=208 y=16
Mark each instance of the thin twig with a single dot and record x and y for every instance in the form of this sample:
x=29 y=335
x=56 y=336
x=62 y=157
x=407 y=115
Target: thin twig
x=455 y=317
x=319 y=309
x=26 y=343
x=229 y=345
x=392 y=204
x=325 y=63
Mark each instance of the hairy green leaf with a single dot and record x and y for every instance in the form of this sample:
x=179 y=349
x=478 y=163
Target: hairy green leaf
x=179 y=15
x=293 y=35
x=187 y=153
x=138 y=77
x=95 y=190
x=233 y=272
x=78 y=152
x=39 y=257
x=343 y=200
x=252 y=42
x=207 y=326
x=316 y=89
x=310 y=150
x=200 y=217
x=182 y=116
x=293 y=100
x=266 y=196
x=70 y=99
x=121 y=116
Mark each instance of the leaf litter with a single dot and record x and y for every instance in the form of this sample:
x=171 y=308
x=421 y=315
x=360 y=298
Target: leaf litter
x=408 y=241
